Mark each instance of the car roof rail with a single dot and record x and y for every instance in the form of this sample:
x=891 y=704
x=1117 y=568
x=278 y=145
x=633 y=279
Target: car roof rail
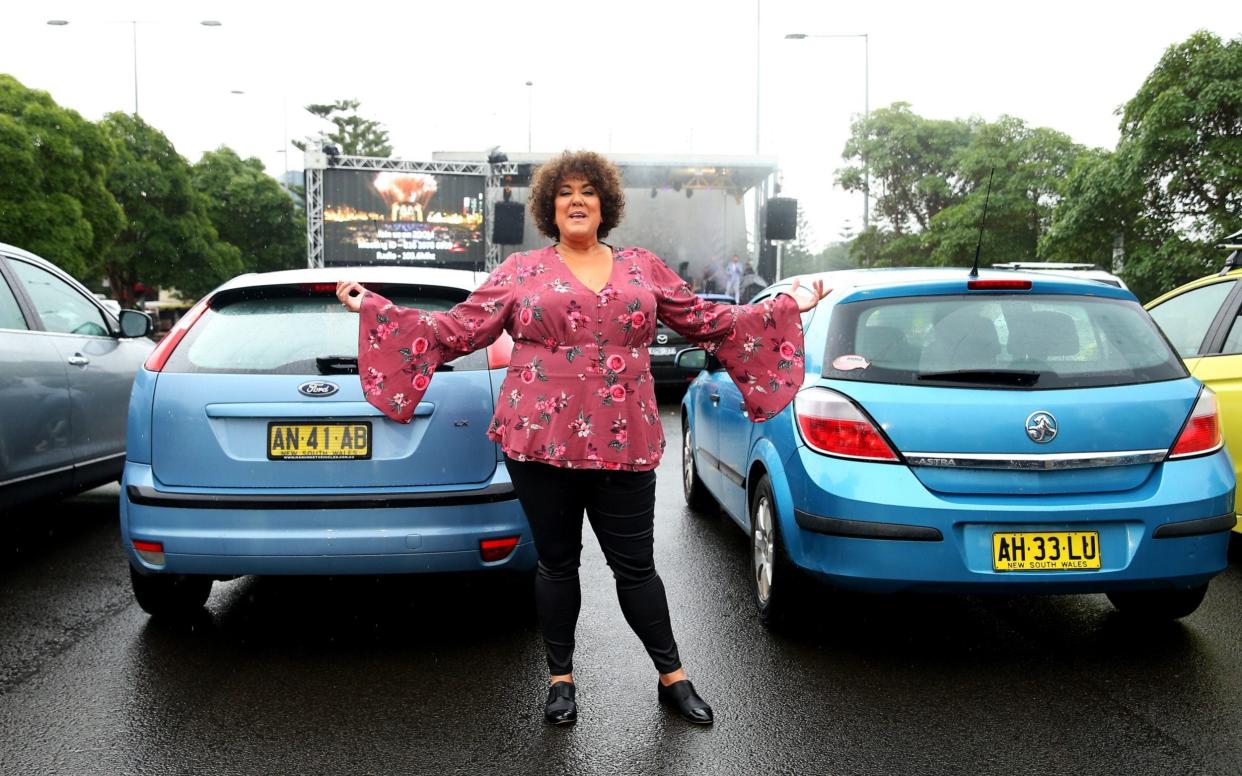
x=1233 y=244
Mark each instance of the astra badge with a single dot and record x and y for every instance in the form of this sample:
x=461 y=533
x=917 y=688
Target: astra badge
x=317 y=388
x=1041 y=427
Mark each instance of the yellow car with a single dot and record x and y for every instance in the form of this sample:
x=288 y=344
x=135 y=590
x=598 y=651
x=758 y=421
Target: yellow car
x=1203 y=320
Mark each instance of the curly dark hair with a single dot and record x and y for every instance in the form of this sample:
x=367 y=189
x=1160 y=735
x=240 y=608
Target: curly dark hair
x=601 y=173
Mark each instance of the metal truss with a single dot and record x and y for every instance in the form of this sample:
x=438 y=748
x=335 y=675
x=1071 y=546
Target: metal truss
x=314 y=218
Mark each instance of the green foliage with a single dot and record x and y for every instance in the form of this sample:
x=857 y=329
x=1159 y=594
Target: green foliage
x=1182 y=135
x=1173 y=186
x=251 y=211
x=929 y=185
x=53 y=200
x=169 y=239
x=910 y=159
x=1030 y=165
x=354 y=135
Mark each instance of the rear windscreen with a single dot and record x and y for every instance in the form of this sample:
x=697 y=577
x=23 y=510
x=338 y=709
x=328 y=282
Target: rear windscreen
x=1023 y=342
x=284 y=330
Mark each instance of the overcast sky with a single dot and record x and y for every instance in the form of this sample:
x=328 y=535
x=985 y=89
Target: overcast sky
x=643 y=76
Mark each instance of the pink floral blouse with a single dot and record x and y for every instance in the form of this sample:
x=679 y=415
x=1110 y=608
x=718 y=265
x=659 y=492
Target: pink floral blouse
x=579 y=392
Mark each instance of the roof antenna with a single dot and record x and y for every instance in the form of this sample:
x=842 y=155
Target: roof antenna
x=974 y=271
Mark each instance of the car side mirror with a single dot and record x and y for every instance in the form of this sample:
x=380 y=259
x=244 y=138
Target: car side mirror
x=695 y=360
x=135 y=324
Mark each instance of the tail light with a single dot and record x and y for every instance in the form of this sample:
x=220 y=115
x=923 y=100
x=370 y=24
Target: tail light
x=151 y=552
x=498 y=352
x=1201 y=434
x=155 y=362
x=832 y=424
x=492 y=550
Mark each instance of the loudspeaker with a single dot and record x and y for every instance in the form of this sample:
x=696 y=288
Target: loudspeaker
x=508 y=223
x=782 y=223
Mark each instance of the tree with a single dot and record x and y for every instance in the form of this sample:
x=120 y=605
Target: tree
x=250 y=210
x=1030 y=166
x=1183 y=137
x=929 y=183
x=1173 y=186
x=354 y=135
x=910 y=160
x=53 y=200
x=169 y=239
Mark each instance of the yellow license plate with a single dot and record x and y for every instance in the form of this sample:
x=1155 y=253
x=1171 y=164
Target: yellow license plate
x=1053 y=551
x=328 y=441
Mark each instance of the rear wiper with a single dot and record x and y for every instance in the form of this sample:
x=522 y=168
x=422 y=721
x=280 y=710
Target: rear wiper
x=334 y=365
x=348 y=365
x=1017 y=377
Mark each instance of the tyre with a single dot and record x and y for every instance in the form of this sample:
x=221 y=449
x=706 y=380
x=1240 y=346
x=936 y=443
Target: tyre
x=777 y=586
x=1167 y=604
x=170 y=596
x=697 y=496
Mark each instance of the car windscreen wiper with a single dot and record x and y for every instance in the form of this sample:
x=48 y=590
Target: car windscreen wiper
x=1018 y=377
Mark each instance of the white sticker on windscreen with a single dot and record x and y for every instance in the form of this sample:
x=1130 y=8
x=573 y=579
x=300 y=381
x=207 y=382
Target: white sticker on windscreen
x=849 y=363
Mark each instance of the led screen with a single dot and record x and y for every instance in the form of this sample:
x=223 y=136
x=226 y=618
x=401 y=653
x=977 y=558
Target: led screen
x=405 y=218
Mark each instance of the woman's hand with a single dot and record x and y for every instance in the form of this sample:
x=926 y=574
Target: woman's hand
x=809 y=296
x=343 y=290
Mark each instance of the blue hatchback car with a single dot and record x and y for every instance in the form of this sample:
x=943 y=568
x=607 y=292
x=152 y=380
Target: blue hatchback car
x=1010 y=432
x=252 y=450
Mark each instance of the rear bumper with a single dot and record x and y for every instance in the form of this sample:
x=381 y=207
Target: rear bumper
x=387 y=532
x=876 y=527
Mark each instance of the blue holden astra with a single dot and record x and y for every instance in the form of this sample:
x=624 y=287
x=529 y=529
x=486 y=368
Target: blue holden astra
x=252 y=450
x=1010 y=432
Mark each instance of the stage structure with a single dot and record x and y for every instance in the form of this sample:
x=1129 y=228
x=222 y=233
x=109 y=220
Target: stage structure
x=365 y=210
x=694 y=211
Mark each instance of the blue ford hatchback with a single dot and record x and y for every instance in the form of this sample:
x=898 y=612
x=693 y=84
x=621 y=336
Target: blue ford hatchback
x=1012 y=432
x=252 y=450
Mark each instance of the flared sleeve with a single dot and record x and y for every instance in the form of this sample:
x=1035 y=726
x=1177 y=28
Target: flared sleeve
x=399 y=348
x=760 y=345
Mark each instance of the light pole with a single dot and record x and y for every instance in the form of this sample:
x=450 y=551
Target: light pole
x=133 y=26
x=866 y=108
x=530 y=109
x=284 y=113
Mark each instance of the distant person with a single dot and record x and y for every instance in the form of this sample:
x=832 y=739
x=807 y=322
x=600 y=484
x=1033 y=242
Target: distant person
x=578 y=420
x=752 y=282
x=733 y=278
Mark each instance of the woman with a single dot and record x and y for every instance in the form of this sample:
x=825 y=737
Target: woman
x=577 y=417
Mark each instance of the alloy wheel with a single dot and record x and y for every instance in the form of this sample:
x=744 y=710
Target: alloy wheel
x=763 y=542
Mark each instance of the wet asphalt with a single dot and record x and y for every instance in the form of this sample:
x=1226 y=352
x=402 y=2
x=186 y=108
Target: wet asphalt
x=446 y=675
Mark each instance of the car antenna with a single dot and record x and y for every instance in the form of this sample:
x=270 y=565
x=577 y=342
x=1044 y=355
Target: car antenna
x=974 y=271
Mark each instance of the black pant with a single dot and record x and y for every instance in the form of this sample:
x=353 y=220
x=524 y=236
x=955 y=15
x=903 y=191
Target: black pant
x=621 y=508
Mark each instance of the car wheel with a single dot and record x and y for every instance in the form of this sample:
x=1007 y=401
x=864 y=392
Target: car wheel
x=1168 y=604
x=697 y=496
x=777 y=586
x=170 y=596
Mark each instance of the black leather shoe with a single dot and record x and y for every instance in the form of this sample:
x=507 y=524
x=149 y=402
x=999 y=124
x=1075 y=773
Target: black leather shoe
x=682 y=697
x=561 y=708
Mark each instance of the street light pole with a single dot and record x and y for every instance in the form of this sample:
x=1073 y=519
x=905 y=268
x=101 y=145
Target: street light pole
x=866 y=38
x=134 y=37
x=133 y=24
x=530 y=109
x=758 y=42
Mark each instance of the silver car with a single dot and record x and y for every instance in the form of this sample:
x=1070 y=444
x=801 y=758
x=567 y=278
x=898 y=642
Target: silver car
x=66 y=367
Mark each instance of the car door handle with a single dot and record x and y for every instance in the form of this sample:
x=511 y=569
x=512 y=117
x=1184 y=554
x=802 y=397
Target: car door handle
x=715 y=397
x=77 y=359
